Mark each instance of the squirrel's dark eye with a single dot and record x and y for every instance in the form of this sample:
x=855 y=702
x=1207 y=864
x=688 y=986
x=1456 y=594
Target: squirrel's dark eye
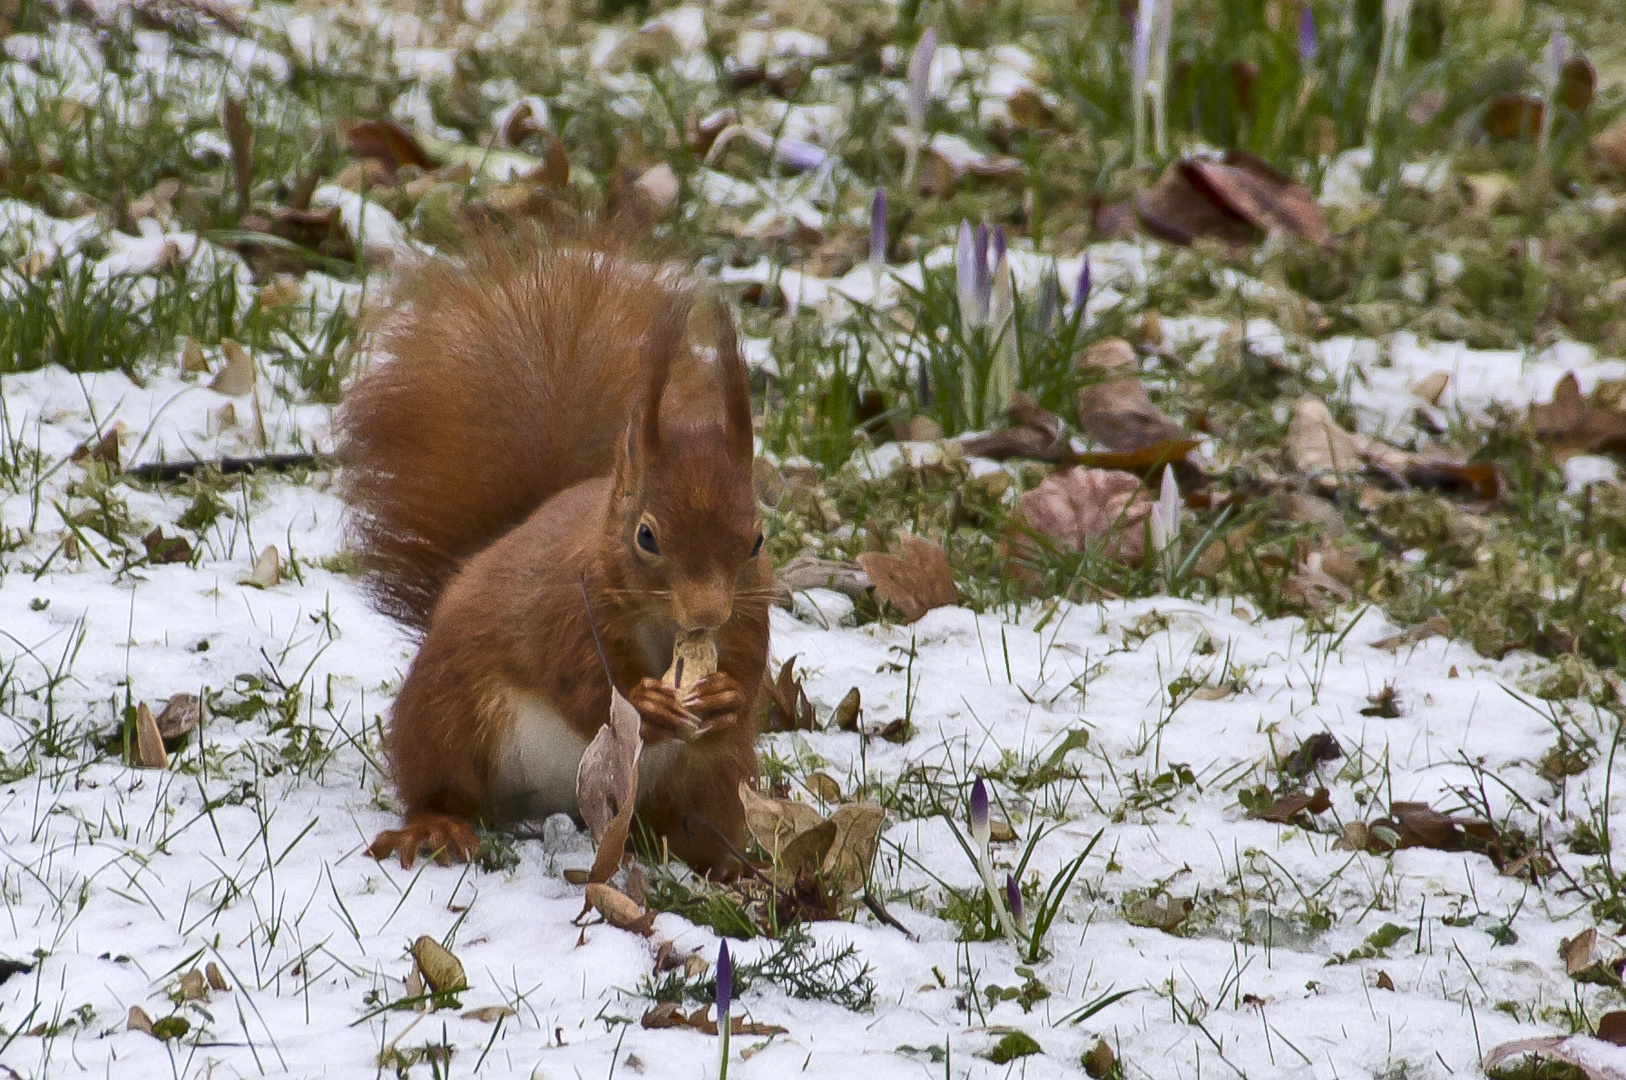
x=646 y=540
x=756 y=548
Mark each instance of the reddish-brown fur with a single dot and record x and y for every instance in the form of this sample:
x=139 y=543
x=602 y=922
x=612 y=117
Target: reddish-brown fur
x=537 y=408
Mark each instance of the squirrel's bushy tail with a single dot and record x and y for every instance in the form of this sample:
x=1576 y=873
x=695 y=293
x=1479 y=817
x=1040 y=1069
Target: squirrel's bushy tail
x=508 y=376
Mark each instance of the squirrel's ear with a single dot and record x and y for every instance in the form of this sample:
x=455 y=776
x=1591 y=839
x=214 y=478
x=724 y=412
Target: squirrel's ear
x=666 y=336
x=736 y=387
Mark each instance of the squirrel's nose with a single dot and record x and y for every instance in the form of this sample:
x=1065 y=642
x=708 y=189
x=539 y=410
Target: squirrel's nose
x=704 y=607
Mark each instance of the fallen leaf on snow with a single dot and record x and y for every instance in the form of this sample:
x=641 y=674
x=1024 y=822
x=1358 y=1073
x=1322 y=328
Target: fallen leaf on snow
x=489 y=1014
x=386 y=142
x=238 y=376
x=915 y=580
x=1289 y=806
x=267 y=569
x=1595 y=1058
x=788 y=706
x=150 y=753
x=1434 y=626
x=441 y=970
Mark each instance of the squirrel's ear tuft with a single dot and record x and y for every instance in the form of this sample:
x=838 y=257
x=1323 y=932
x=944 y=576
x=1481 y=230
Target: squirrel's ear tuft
x=667 y=334
x=736 y=388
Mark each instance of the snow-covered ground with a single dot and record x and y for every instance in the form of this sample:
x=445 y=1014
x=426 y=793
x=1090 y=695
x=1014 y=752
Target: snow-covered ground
x=248 y=851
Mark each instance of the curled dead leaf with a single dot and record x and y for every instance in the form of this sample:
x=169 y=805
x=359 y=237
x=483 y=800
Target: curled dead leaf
x=849 y=711
x=1571 y=426
x=620 y=910
x=150 y=752
x=267 y=569
x=607 y=784
x=238 y=376
x=1289 y=806
x=441 y=970
x=386 y=142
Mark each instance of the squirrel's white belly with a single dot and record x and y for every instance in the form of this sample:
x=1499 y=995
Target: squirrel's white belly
x=536 y=772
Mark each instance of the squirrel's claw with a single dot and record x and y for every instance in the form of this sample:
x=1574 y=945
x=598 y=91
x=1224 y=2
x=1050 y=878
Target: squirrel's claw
x=663 y=715
x=442 y=835
x=718 y=698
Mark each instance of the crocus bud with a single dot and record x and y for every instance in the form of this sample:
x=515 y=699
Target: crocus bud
x=985 y=280
x=1081 y=295
x=1307 y=42
x=877 y=228
x=920 y=71
x=979 y=812
x=999 y=244
x=725 y=984
x=965 y=280
x=1166 y=514
x=1013 y=894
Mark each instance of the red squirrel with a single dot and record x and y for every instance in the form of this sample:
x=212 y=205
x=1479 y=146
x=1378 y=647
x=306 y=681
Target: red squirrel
x=548 y=452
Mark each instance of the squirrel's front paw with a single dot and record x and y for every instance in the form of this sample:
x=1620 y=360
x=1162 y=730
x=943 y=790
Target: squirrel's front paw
x=441 y=835
x=719 y=699
x=663 y=715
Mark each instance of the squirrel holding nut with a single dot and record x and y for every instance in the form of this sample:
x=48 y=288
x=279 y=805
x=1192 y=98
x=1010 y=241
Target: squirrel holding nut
x=551 y=476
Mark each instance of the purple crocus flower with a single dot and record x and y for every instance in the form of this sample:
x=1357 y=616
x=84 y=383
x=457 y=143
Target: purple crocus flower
x=725 y=984
x=798 y=156
x=999 y=244
x=984 y=279
x=1013 y=894
x=920 y=70
x=1308 y=48
x=967 y=287
x=877 y=228
x=1081 y=295
x=979 y=812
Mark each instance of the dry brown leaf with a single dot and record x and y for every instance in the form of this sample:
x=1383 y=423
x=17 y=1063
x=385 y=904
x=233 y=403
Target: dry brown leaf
x=1431 y=386
x=1231 y=201
x=773 y=823
x=1576 y=1050
x=1577 y=952
x=669 y=1014
x=163 y=549
x=194 y=987
x=1612 y=1027
x=1287 y=807
x=915 y=580
x=150 y=752
x=1415 y=824
x=1571 y=426
x=1435 y=626
x=823 y=786
x=192 y=358
x=386 y=142
x=807 y=571
x=788 y=706
x=607 y=784
x=181 y=713
x=1115 y=412
x=105 y=449
x=238 y=376
x=847 y=864
x=620 y=910
x=1080 y=507
x=138 y=1020
x=441 y=970
x=804 y=855
x=489 y=1014
x=267 y=569
x=1384 y=982
x=217 y=980
x=849 y=711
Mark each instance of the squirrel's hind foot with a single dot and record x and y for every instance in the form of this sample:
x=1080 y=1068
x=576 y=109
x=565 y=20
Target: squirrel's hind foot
x=441 y=835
